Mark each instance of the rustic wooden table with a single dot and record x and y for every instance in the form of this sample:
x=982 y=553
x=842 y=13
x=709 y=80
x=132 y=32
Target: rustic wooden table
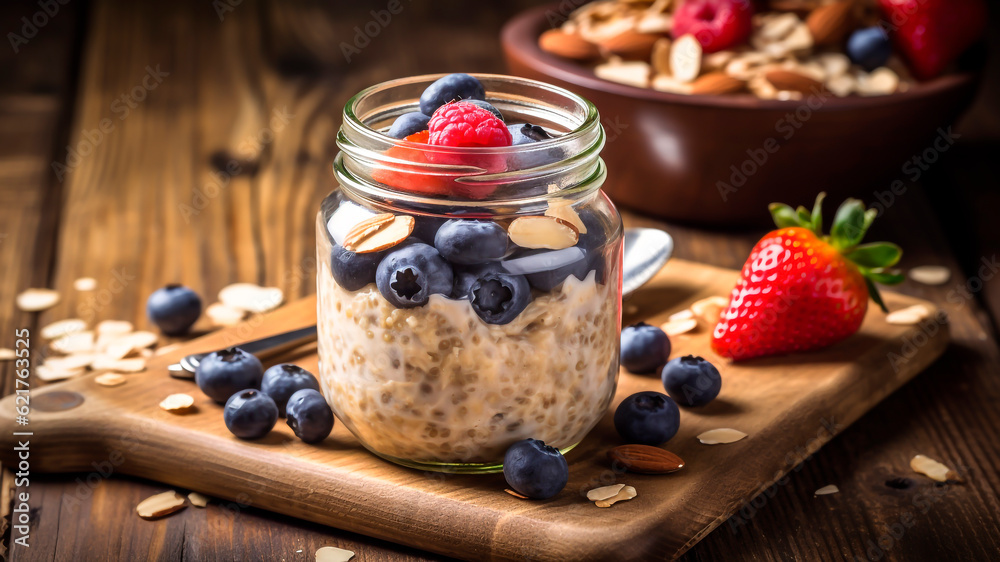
x=119 y=125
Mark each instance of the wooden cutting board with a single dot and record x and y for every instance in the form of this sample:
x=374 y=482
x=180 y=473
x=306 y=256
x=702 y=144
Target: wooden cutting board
x=789 y=407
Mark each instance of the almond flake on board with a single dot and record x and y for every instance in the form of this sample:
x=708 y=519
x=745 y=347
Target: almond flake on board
x=930 y=274
x=52 y=374
x=118 y=350
x=251 y=298
x=543 y=232
x=140 y=339
x=7 y=354
x=177 y=402
x=709 y=309
x=632 y=73
x=62 y=328
x=114 y=327
x=933 y=469
x=626 y=493
x=685 y=58
x=110 y=379
x=678 y=327
x=721 y=436
x=516 y=494
x=222 y=315
x=333 y=554
x=197 y=500
x=84 y=284
x=908 y=316
x=160 y=505
x=71 y=362
x=379 y=233
x=36 y=300
x=826 y=490
x=74 y=343
x=134 y=365
x=682 y=315
x=604 y=492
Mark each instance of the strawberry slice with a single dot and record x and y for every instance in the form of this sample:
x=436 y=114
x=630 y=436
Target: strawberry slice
x=932 y=33
x=800 y=290
x=411 y=179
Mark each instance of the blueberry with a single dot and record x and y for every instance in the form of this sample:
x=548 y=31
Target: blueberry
x=425 y=228
x=869 y=48
x=499 y=297
x=527 y=133
x=174 y=309
x=351 y=270
x=309 y=416
x=281 y=381
x=471 y=241
x=250 y=414
x=691 y=381
x=534 y=469
x=647 y=418
x=645 y=348
x=467 y=275
x=450 y=88
x=408 y=124
x=220 y=374
x=488 y=107
x=407 y=277
x=550 y=278
x=594 y=241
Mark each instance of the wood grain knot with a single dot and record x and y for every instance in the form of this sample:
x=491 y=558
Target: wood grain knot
x=57 y=401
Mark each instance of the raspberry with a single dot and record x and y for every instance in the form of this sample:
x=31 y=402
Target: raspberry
x=466 y=124
x=716 y=24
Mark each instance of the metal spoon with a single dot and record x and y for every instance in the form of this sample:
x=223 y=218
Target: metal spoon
x=646 y=252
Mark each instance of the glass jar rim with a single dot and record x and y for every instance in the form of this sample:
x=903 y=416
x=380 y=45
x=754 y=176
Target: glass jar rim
x=570 y=162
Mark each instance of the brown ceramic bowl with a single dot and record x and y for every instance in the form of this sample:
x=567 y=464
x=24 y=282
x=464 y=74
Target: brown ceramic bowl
x=721 y=159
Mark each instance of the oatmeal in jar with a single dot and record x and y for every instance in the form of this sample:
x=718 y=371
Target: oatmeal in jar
x=468 y=299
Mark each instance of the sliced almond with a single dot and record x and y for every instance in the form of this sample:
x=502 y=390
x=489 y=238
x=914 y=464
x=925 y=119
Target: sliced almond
x=378 y=233
x=160 y=505
x=114 y=327
x=61 y=328
x=835 y=64
x=626 y=493
x=333 y=554
x=678 y=327
x=660 y=57
x=36 y=300
x=826 y=490
x=933 y=469
x=110 y=379
x=118 y=350
x=665 y=83
x=567 y=45
x=634 y=73
x=74 y=343
x=71 y=362
x=930 y=274
x=721 y=436
x=564 y=211
x=543 y=232
x=655 y=23
x=7 y=354
x=841 y=86
x=717 y=60
x=685 y=58
x=800 y=40
x=84 y=284
x=516 y=494
x=135 y=365
x=880 y=82
x=908 y=316
x=197 y=499
x=177 y=402
x=251 y=298
x=52 y=374
x=717 y=83
x=709 y=309
x=778 y=27
x=682 y=315
x=604 y=492
x=140 y=339
x=222 y=315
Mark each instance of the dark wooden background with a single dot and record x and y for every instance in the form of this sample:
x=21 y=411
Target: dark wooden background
x=263 y=85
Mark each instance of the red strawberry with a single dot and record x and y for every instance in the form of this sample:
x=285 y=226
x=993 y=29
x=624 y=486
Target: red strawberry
x=800 y=290
x=396 y=171
x=933 y=33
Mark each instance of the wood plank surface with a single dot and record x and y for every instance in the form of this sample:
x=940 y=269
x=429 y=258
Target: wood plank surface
x=782 y=403
x=125 y=202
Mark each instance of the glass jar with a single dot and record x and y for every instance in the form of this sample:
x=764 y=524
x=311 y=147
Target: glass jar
x=441 y=361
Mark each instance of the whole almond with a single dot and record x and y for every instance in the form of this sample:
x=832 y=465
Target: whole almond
x=793 y=82
x=567 y=45
x=631 y=44
x=830 y=23
x=717 y=83
x=645 y=459
x=660 y=58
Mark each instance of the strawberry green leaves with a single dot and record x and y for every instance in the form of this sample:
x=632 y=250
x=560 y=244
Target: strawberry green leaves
x=850 y=224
